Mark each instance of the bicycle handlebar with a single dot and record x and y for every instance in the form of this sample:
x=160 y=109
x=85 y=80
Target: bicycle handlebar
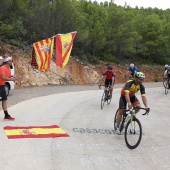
x=105 y=85
x=136 y=107
x=147 y=111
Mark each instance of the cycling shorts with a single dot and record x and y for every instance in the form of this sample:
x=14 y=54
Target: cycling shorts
x=108 y=82
x=122 y=101
x=3 y=95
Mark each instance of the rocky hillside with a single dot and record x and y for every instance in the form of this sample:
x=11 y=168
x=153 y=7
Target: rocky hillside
x=75 y=71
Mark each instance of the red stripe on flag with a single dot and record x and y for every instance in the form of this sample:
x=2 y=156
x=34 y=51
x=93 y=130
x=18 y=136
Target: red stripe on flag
x=28 y=127
x=59 y=51
x=38 y=136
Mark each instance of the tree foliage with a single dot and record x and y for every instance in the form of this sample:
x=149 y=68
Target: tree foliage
x=105 y=31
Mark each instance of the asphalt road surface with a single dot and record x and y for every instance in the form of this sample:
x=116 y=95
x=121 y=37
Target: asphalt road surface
x=92 y=144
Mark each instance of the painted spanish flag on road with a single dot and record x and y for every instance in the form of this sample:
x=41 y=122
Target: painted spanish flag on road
x=64 y=44
x=43 y=53
x=15 y=132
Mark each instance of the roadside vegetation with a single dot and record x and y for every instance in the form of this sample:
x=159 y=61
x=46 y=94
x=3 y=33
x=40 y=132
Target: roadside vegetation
x=105 y=31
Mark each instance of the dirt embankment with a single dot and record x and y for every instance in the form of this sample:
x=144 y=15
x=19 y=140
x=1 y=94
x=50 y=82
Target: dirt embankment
x=75 y=71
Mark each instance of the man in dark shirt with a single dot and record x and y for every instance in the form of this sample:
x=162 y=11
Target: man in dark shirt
x=5 y=75
x=109 y=76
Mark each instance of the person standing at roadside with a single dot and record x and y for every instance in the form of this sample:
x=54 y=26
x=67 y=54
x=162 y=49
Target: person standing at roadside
x=5 y=75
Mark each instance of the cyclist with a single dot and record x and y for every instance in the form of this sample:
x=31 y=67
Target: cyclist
x=131 y=71
x=167 y=74
x=109 y=76
x=128 y=96
x=166 y=67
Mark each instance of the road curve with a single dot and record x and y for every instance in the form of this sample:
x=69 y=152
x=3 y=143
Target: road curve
x=92 y=144
x=20 y=95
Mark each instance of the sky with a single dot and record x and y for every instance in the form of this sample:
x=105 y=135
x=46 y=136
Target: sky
x=160 y=4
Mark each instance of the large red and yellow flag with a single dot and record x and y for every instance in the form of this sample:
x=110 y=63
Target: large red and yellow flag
x=64 y=44
x=43 y=53
x=14 y=132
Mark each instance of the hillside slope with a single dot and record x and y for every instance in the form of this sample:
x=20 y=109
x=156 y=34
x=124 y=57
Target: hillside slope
x=78 y=72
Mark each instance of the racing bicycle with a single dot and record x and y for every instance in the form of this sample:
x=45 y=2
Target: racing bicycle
x=166 y=82
x=131 y=127
x=106 y=97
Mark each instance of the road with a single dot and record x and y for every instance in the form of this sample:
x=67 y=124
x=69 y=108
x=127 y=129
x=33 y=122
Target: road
x=92 y=144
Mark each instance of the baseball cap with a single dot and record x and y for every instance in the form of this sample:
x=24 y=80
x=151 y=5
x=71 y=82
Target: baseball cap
x=7 y=59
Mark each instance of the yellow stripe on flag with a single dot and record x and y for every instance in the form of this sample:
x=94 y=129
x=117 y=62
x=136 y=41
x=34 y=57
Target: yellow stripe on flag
x=34 y=131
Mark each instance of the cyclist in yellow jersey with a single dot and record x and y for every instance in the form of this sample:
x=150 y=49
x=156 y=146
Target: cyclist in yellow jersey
x=128 y=96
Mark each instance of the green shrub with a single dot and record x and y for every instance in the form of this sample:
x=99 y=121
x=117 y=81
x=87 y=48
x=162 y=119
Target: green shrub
x=109 y=57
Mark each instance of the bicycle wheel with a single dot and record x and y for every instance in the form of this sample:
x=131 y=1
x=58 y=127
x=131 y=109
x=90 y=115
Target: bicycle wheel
x=121 y=122
x=103 y=99
x=166 y=87
x=115 y=119
x=164 y=82
x=133 y=133
x=109 y=101
x=108 y=97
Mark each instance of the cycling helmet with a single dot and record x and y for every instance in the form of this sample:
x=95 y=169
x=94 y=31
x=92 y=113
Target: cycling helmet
x=132 y=65
x=139 y=75
x=166 y=65
x=110 y=67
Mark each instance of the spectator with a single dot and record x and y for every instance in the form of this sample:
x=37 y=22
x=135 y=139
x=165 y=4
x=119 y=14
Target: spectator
x=5 y=75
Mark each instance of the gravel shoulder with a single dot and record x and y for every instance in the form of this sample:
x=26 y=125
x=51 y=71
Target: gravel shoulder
x=20 y=95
